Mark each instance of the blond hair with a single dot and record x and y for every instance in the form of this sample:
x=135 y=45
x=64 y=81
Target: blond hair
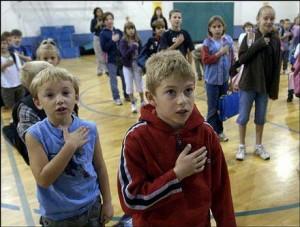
x=47 y=45
x=166 y=64
x=30 y=69
x=265 y=7
x=52 y=74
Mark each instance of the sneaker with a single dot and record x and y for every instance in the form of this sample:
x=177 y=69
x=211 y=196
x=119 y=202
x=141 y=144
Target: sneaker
x=289 y=99
x=261 y=152
x=133 y=108
x=240 y=154
x=222 y=137
x=126 y=98
x=118 y=102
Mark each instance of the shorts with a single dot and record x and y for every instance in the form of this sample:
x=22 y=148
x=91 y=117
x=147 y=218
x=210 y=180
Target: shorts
x=245 y=105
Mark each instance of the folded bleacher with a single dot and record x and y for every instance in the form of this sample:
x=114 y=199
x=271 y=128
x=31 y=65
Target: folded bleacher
x=62 y=35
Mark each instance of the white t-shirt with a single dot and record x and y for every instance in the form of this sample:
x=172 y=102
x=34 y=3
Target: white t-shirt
x=297 y=51
x=241 y=37
x=10 y=76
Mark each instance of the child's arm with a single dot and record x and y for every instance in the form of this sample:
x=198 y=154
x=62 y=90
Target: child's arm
x=179 y=40
x=100 y=167
x=208 y=58
x=27 y=117
x=222 y=205
x=126 y=50
x=46 y=172
x=24 y=58
x=139 y=191
x=6 y=64
x=189 y=56
x=106 y=42
x=247 y=53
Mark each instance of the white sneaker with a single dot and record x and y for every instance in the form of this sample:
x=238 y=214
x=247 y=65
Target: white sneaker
x=240 y=154
x=261 y=152
x=118 y=102
x=133 y=108
x=222 y=137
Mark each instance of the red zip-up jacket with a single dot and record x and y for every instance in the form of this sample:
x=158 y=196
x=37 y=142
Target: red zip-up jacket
x=148 y=188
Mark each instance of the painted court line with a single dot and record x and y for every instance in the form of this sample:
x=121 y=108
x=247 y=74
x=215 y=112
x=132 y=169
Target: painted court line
x=86 y=106
x=19 y=184
x=237 y=214
x=10 y=206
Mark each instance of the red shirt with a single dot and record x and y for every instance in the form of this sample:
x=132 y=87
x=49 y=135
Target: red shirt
x=148 y=188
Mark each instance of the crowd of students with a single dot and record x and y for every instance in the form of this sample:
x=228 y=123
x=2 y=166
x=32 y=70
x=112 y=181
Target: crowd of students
x=158 y=183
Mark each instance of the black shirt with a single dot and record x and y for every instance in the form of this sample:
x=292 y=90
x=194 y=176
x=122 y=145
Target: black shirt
x=169 y=37
x=93 y=29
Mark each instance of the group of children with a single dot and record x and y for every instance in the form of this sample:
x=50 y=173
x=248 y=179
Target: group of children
x=175 y=183
x=289 y=36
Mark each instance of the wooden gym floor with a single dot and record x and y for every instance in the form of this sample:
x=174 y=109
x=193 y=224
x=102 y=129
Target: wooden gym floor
x=265 y=193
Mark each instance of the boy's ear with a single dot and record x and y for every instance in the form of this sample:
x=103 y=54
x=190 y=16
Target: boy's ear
x=77 y=98
x=37 y=103
x=151 y=98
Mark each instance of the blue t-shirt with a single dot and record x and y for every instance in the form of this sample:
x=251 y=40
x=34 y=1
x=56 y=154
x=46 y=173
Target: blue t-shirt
x=77 y=188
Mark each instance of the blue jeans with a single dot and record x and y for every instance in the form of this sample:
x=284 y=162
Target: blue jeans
x=90 y=218
x=112 y=70
x=214 y=92
x=285 y=59
x=245 y=105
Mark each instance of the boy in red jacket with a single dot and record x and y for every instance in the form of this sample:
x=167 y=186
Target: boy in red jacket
x=172 y=170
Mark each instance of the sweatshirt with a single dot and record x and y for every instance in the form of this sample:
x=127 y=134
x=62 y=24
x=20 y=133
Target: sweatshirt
x=148 y=188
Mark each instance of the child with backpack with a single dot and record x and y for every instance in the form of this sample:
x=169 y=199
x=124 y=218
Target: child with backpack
x=24 y=112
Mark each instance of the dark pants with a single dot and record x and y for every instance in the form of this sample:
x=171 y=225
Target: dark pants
x=113 y=71
x=90 y=218
x=214 y=92
x=285 y=59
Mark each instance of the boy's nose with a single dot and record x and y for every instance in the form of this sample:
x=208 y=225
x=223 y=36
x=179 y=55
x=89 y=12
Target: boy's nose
x=181 y=99
x=59 y=99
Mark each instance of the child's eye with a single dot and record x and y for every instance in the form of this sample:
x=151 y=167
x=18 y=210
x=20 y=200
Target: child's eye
x=171 y=92
x=49 y=95
x=66 y=93
x=189 y=91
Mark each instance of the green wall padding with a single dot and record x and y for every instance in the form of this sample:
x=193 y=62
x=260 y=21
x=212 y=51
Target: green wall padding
x=196 y=15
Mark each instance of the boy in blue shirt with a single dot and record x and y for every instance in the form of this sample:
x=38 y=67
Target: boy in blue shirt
x=17 y=48
x=65 y=156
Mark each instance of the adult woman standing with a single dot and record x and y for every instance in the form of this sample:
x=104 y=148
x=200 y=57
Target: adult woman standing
x=96 y=27
x=158 y=15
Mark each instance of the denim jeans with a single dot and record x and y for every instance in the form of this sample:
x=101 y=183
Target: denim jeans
x=112 y=70
x=214 y=92
x=90 y=218
x=245 y=105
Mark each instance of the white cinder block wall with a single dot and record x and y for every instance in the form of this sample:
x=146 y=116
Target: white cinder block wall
x=28 y=16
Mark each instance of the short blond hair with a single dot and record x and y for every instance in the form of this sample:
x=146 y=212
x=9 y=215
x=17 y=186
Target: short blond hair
x=166 y=64
x=52 y=74
x=30 y=69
